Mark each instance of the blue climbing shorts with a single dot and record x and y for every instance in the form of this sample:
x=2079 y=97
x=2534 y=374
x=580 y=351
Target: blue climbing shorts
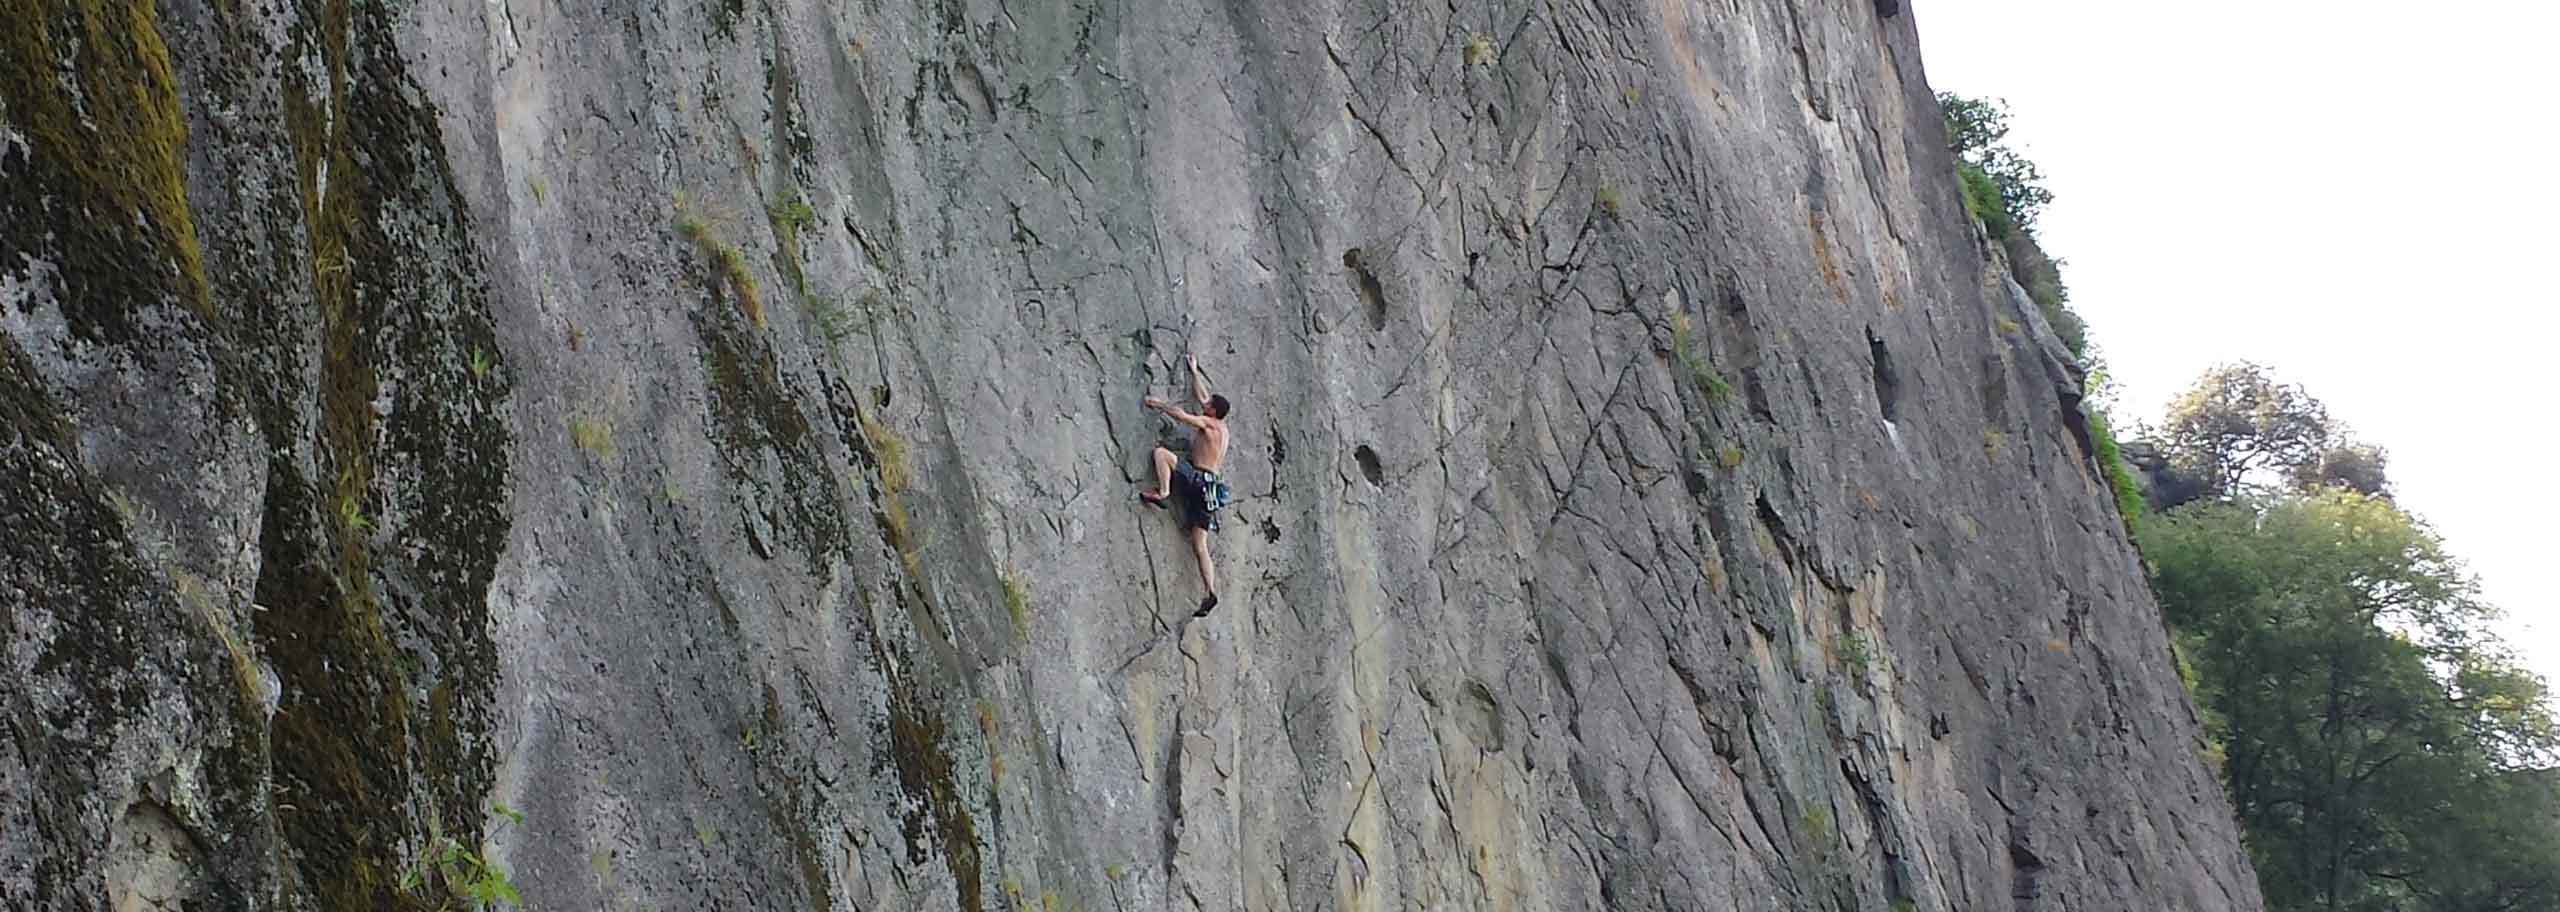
x=1201 y=493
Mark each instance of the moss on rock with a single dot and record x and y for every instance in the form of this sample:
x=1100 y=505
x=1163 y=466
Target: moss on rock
x=379 y=547
x=97 y=187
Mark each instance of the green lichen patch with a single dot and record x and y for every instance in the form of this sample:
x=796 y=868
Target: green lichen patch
x=888 y=452
x=724 y=18
x=884 y=452
x=937 y=819
x=342 y=785
x=1017 y=604
x=792 y=801
x=98 y=186
x=594 y=435
x=731 y=262
x=790 y=217
x=766 y=444
x=1689 y=350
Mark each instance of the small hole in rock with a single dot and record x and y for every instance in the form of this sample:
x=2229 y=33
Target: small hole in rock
x=1369 y=466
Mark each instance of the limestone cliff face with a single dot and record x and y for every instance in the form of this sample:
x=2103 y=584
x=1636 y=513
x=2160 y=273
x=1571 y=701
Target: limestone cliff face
x=709 y=429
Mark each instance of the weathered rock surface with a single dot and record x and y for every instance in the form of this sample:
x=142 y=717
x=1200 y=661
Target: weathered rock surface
x=710 y=429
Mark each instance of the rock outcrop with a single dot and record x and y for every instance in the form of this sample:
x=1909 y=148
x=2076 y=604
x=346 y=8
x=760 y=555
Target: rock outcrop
x=709 y=431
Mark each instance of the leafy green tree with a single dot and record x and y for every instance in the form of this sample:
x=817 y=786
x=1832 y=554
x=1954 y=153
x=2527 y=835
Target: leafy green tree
x=2504 y=859
x=1978 y=132
x=1982 y=200
x=1973 y=124
x=2237 y=425
x=2381 y=749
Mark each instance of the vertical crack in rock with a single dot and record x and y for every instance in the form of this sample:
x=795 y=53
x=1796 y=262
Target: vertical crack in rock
x=1171 y=823
x=1888 y=380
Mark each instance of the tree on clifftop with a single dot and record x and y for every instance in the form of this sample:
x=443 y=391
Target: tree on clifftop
x=2238 y=430
x=1978 y=133
x=2238 y=424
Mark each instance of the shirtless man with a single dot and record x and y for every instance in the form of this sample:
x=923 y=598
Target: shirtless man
x=1200 y=493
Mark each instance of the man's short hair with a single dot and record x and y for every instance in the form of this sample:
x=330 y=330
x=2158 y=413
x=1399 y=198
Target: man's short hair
x=1218 y=407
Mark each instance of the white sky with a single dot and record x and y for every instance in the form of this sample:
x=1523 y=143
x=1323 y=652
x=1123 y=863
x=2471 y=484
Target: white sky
x=2358 y=195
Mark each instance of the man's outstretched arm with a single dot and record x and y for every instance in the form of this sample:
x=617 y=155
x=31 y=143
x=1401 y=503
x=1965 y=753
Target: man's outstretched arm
x=1176 y=411
x=1199 y=381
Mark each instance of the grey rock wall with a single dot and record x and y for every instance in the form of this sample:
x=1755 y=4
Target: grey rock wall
x=709 y=431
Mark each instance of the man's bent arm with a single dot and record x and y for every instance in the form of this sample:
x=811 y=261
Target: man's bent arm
x=1199 y=381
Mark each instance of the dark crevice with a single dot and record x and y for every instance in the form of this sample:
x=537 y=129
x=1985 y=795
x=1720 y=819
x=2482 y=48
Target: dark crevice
x=1888 y=381
x=1777 y=525
x=1995 y=392
x=1173 y=796
x=1880 y=830
x=2076 y=422
x=1369 y=466
x=1371 y=293
x=2025 y=868
x=1743 y=354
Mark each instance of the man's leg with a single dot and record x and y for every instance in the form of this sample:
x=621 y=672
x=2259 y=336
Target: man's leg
x=1164 y=472
x=1208 y=569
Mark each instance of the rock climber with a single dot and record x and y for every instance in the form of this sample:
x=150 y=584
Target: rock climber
x=1192 y=483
